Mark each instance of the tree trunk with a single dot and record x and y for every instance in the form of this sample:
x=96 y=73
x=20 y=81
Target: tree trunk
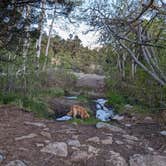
x=40 y=28
x=49 y=39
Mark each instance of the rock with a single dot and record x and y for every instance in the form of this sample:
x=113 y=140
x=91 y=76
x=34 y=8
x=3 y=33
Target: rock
x=35 y=124
x=148 y=119
x=163 y=132
x=56 y=148
x=62 y=105
x=150 y=149
x=75 y=136
x=93 y=150
x=128 y=107
x=47 y=141
x=118 y=117
x=130 y=137
x=75 y=143
x=107 y=141
x=75 y=123
x=116 y=160
x=2 y=157
x=39 y=145
x=16 y=163
x=46 y=134
x=128 y=125
x=119 y=142
x=79 y=155
x=46 y=129
x=32 y=135
x=94 y=139
x=100 y=125
x=147 y=160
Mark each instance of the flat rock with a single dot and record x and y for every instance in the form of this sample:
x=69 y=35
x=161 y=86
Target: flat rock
x=35 y=124
x=79 y=155
x=130 y=137
x=147 y=160
x=94 y=139
x=107 y=141
x=56 y=148
x=46 y=134
x=112 y=128
x=119 y=142
x=32 y=135
x=16 y=163
x=116 y=159
x=75 y=143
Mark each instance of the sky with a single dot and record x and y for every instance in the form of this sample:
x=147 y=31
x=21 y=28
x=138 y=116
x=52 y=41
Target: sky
x=63 y=27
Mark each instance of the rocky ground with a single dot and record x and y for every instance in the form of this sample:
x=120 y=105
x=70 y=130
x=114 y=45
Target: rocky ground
x=28 y=141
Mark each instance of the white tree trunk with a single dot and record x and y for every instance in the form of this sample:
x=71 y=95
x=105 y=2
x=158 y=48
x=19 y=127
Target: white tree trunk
x=41 y=23
x=49 y=39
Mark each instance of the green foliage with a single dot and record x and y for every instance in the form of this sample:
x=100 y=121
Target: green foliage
x=35 y=105
x=115 y=99
x=52 y=92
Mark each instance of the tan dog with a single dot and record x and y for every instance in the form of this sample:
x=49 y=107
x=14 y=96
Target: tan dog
x=77 y=110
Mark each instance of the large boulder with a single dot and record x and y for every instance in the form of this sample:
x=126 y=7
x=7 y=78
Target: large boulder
x=61 y=106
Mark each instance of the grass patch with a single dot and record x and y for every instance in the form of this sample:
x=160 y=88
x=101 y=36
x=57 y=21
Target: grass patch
x=36 y=105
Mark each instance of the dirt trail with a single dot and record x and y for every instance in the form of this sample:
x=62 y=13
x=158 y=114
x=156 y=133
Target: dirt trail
x=29 y=141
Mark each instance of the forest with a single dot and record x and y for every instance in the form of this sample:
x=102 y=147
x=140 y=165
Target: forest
x=82 y=82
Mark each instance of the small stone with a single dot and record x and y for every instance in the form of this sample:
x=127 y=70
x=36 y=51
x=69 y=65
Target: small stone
x=128 y=125
x=16 y=163
x=75 y=136
x=46 y=134
x=163 y=132
x=119 y=142
x=133 y=118
x=150 y=149
x=94 y=139
x=116 y=159
x=75 y=123
x=148 y=119
x=32 y=135
x=56 y=148
x=118 y=117
x=130 y=137
x=35 y=124
x=93 y=150
x=46 y=129
x=107 y=141
x=39 y=145
x=77 y=156
x=75 y=143
x=128 y=107
x=47 y=141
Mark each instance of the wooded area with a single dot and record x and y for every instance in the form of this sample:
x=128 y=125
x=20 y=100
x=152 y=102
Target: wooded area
x=132 y=35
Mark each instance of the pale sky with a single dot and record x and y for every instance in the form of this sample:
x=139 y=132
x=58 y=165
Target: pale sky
x=63 y=28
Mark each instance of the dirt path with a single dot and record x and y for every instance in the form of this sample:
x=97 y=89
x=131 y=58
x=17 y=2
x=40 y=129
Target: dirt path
x=28 y=141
